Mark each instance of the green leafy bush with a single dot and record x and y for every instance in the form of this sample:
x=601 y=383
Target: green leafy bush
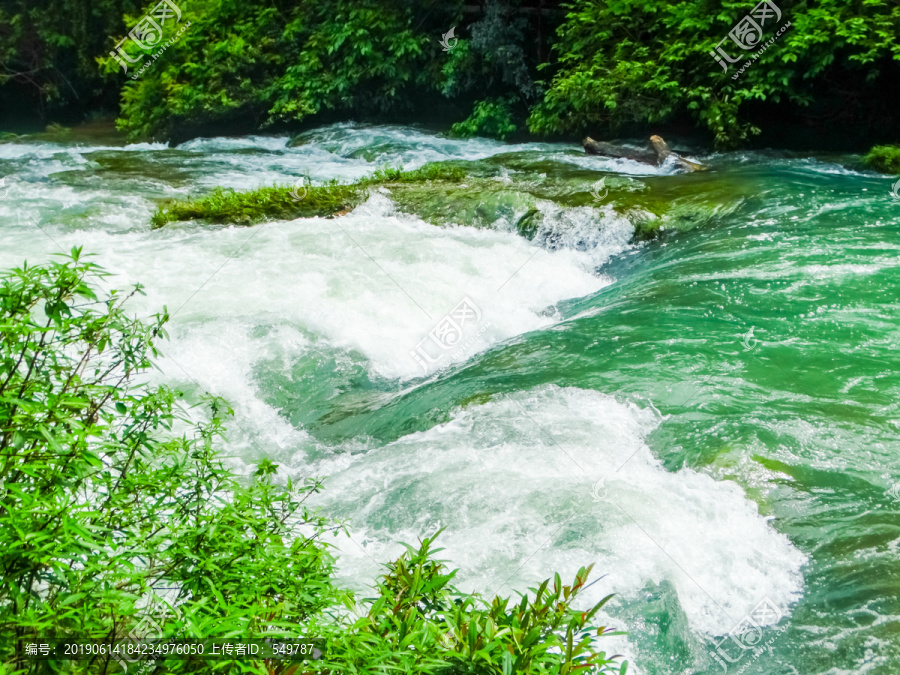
x=110 y=489
x=431 y=627
x=648 y=61
x=248 y=64
x=492 y=118
x=884 y=158
x=101 y=500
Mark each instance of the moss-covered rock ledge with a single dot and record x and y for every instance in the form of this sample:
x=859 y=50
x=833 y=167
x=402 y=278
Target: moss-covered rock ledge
x=280 y=202
x=473 y=194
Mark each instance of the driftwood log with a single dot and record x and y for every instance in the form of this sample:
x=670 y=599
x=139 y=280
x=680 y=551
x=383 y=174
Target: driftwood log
x=660 y=151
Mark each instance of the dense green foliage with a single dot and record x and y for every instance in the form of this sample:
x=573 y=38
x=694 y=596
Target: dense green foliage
x=102 y=500
x=282 y=65
x=286 y=202
x=648 y=61
x=420 y=623
x=884 y=158
x=253 y=64
x=48 y=52
x=110 y=491
x=494 y=59
x=244 y=65
x=490 y=118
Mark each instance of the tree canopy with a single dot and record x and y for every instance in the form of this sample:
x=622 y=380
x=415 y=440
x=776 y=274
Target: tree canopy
x=514 y=66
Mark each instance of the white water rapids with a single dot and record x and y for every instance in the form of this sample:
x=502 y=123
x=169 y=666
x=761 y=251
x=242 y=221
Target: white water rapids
x=546 y=479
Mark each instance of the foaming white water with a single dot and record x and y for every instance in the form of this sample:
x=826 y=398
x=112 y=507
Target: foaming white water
x=598 y=231
x=821 y=166
x=376 y=283
x=372 y=282
x=219 y=143
x=42 y=172
x=343 y=152
x=410 y=147
x=218 y=356
x=347 y=151
x=44 y=150
x=618 y=165
x=225 y=162
x=553 y=479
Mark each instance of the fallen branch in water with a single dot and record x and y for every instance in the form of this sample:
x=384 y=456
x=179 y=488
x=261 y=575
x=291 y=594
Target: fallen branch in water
x=660 y=152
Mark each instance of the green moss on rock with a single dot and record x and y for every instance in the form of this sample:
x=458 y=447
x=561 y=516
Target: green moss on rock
x=245 y=208
x=281 y=202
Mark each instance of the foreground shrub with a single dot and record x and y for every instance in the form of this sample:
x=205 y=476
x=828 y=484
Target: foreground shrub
x=492 y=118
x=103 y=502
x=420 y=623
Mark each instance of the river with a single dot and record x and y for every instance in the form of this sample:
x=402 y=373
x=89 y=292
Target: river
x=710 y=418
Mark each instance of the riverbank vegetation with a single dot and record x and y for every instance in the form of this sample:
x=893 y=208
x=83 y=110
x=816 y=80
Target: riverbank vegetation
x=827 y=66
x=111 y=490
x=567 y=69
x=884 y=158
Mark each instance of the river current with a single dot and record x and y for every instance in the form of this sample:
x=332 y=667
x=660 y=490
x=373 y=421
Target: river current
x=710 y=418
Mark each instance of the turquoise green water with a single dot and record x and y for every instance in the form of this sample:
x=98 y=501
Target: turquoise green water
x=711 y=418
